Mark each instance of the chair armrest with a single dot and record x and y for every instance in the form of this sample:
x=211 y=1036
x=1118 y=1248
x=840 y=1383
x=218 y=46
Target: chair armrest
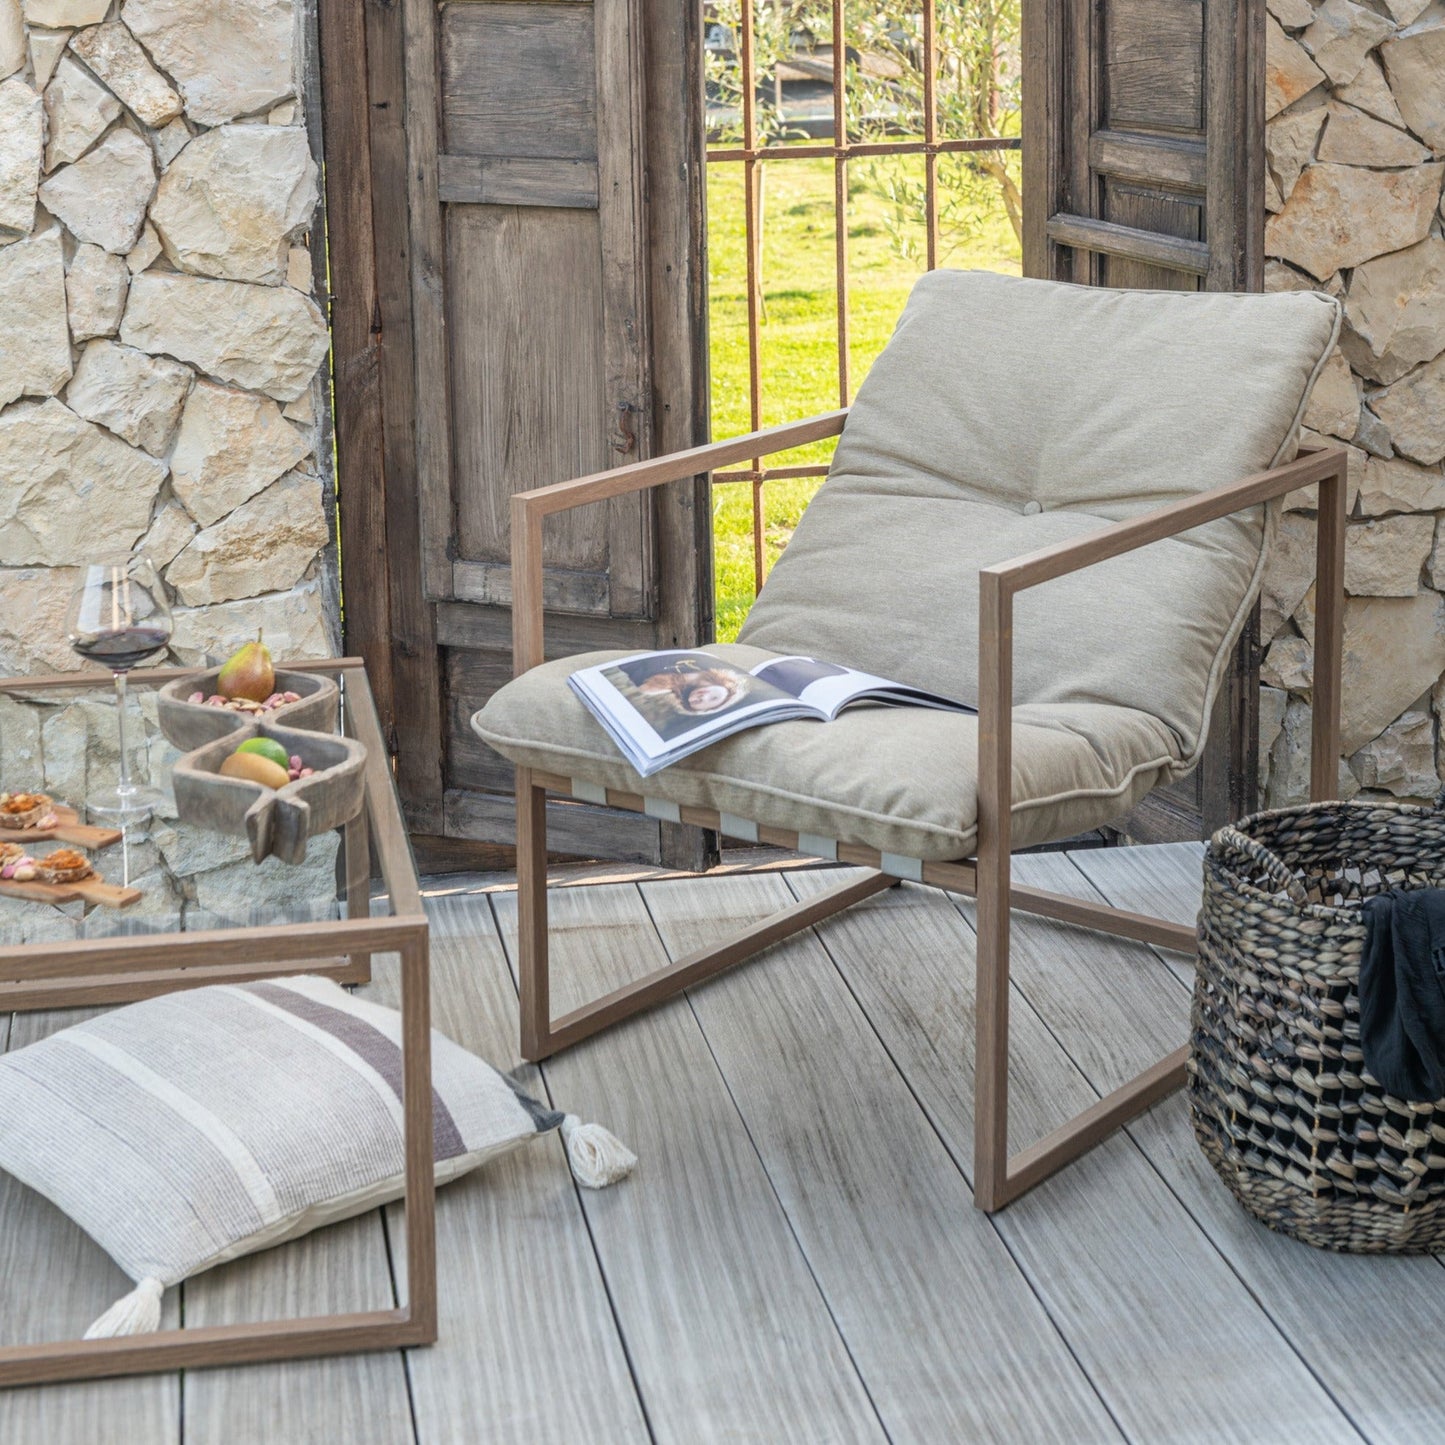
x=999 y=584
x=529 y=508
x=636 y=476
x=1315 y=465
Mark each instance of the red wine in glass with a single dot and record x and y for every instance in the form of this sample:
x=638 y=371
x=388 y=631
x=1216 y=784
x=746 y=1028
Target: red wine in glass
x=119 y=617
x=124 y=648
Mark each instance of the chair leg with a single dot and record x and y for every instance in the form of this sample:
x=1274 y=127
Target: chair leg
x=999 y=1179
x=991 y=1020
x=532 y=969
x=542 y=1035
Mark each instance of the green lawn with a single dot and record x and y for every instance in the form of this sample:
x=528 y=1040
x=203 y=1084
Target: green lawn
x=799 y=335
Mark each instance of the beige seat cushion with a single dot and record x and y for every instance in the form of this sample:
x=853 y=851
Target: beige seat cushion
x=903 y=780
x=1006 y=415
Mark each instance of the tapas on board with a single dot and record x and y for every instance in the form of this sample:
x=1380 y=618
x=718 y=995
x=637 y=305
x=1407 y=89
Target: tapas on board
x=62 y=875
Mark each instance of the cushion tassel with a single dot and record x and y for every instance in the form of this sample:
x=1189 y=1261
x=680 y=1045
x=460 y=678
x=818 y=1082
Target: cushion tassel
x=136 y=1313
x=597 y=1157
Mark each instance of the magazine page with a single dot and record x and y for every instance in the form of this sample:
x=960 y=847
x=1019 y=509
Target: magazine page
x=830 y=687
x=661 y=706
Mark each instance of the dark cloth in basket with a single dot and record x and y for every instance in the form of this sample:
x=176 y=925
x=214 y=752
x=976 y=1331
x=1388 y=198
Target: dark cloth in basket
x=1402 y=992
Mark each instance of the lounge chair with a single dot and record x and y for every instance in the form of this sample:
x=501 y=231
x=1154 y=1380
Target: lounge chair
x=1054 y=502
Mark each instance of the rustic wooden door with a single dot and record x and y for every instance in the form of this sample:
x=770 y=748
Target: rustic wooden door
x=537 y=208
x=1143 y=156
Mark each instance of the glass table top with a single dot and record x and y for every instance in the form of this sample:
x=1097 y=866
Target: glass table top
x=62 y=741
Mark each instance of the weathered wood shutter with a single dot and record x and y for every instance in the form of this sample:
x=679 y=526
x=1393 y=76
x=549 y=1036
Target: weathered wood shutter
x=553 y=188
x=1144 y=167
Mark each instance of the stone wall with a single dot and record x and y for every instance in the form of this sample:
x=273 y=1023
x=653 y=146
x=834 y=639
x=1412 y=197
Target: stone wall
x=1355 y=102
x=161 y=368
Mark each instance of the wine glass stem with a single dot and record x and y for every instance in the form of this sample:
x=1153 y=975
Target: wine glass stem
x=120 y=730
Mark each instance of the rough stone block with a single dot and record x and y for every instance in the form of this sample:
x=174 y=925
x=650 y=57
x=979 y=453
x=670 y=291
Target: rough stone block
x=266 y=338
x=1384 y=558
x=265 y=545
x=22 y=143
x=64 y=483
x=102 y=197
x=233 y=199
x=229 y=57
x=35 y=352
x=136 y=396
x=1339 y=216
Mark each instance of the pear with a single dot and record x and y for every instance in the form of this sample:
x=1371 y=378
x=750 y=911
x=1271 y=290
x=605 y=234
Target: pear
x=248 y=673
x=256 y=769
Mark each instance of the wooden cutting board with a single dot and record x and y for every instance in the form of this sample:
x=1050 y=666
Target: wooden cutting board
x=91 y=890
x=69 y=829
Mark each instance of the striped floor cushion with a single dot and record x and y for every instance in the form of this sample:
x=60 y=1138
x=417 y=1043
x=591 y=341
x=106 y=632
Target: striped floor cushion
x=196 y=1127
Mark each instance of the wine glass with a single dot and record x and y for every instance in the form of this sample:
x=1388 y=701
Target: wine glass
x=119 y=616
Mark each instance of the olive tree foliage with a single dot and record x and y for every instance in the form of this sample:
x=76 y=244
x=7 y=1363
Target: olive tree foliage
x=778 y=28
x=976 y=94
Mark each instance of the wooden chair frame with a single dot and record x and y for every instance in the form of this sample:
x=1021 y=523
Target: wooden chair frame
x=999 y=1178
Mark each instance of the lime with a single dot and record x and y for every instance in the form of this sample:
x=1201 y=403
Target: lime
x=267 y=748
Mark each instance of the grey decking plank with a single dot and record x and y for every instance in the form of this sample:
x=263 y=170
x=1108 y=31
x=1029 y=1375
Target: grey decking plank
x=528 y=1349
x=1105 y=1245
x=1165 y=880
x=1368 y=1327
x=728 y=1334
x=54 y=1279
x=361 y=1399
x=949 y=1338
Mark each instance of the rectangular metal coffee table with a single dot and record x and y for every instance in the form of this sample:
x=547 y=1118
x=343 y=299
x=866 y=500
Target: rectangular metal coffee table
x=119 y=958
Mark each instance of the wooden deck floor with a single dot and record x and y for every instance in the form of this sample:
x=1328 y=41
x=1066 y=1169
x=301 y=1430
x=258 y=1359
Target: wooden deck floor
x=797 y=1257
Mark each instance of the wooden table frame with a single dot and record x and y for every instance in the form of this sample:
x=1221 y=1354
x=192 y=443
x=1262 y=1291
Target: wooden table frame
x=999 y=1178
x=119 y=969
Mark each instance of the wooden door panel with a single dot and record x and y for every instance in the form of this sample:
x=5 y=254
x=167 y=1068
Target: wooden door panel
x=518 y=80
x=1143 y=153
x=534 y=249
x=546 y=332
x=1144 y=206
x=1154 y=64
x=525 y=326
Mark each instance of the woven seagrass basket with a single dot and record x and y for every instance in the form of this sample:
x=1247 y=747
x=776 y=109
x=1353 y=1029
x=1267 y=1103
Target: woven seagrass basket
x=1282 y=1104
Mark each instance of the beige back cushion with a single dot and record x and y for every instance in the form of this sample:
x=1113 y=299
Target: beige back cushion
x=1006 y=415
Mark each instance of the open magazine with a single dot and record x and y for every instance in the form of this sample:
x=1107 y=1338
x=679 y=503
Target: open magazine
x=661 y=706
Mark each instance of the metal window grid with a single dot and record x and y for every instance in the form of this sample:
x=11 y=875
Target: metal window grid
x=840 y=149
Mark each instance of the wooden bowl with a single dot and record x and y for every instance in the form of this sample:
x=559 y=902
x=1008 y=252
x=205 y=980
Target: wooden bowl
x=274 y=820
x=190 y=724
